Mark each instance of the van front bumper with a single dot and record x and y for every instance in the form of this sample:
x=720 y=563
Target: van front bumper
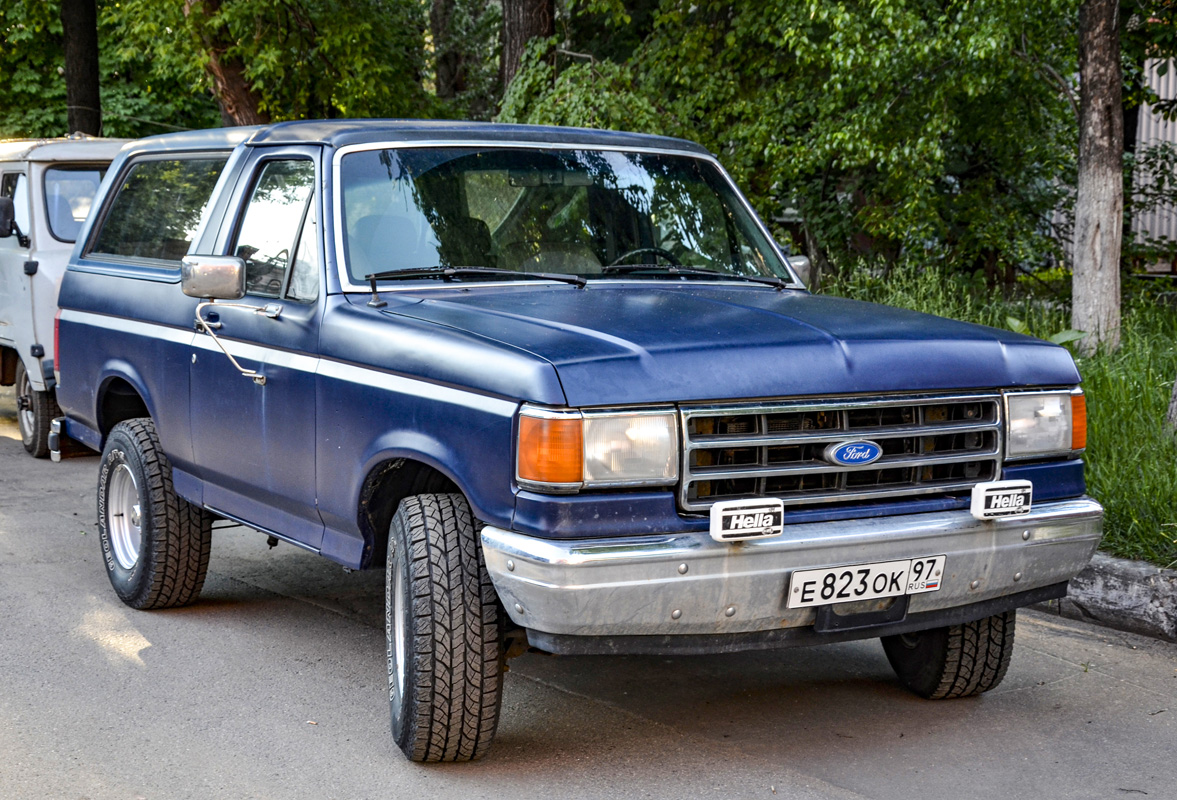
x=622 y=592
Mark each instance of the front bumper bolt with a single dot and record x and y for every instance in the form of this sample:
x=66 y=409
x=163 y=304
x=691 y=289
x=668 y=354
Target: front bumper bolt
x=676 y=613
x=510 y=565
x=682 y=569
x=1017 y=576
x=975 y=585
x=730 y=611
x=1025 y=535
x=518 y=609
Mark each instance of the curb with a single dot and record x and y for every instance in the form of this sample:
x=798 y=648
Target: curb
x=1132 y=596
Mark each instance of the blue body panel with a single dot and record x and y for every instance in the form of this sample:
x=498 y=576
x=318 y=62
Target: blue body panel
x=437 y=375
x=654 y=341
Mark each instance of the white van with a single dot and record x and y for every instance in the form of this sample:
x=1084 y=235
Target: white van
x=46 y=189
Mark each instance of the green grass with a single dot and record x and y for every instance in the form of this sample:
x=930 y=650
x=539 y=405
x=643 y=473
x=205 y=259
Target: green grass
x=1131 y=454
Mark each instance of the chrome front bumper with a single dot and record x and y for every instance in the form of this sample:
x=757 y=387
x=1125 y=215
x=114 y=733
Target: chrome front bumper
x=687 y=583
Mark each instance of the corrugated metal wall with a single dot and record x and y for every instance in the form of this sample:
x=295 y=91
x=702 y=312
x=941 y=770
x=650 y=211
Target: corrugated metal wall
x=1154 y=128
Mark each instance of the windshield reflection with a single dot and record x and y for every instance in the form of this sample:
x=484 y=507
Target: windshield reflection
x=575 y=212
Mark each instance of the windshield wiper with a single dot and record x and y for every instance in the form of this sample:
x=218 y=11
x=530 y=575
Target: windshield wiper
x=449 y=273
x=626 y=269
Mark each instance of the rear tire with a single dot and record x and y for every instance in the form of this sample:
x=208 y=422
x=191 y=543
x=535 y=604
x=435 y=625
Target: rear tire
x=956 y=661
x=442 y=628
x=34 y=411
x=155 y=545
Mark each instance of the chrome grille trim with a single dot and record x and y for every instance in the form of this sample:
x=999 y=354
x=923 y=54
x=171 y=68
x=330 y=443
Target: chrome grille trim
x=757 y=417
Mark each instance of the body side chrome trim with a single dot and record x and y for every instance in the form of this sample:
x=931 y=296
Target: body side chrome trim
x=330 y=368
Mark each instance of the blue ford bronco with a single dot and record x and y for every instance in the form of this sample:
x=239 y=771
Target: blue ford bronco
x=564 y=388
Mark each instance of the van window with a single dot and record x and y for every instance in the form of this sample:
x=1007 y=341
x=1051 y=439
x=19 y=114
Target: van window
x=16 y=186
x=158 y=208
x=69 y=191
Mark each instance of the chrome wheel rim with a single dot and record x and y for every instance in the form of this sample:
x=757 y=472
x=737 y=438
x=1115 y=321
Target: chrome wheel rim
x=124 y=517
x=398 y=632
x=24 y=408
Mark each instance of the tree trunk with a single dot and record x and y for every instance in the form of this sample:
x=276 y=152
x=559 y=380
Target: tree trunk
x=523 y=20
x=79 y=24
x=1099 y=205
x=238 y=101
x=448 y=60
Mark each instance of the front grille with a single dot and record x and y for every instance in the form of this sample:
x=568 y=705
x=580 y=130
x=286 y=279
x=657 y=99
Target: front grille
x=931 y=445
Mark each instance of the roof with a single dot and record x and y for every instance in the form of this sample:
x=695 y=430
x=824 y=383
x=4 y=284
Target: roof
x=74 y=148
x=338 y=133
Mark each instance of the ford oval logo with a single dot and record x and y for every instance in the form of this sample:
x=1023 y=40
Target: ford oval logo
x=853 y=454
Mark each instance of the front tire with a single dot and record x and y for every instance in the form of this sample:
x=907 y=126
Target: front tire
x=155 y=545
x=34 y=412
x=442 y=627
x=956 y=661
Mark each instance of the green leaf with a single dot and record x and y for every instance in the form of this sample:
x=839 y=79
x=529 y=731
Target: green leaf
x=1067 y=336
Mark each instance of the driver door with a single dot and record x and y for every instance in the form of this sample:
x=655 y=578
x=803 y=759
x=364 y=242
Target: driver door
x=254 y=437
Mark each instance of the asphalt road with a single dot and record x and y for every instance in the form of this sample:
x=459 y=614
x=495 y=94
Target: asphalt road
x=272 y=686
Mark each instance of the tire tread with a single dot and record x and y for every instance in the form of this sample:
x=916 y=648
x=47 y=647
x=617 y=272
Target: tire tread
x=456 y=652
x=178 y=564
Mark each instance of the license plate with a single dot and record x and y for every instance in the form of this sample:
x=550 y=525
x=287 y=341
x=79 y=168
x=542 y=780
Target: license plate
x=819 y=587
x=1001 y=499
x=735 y=520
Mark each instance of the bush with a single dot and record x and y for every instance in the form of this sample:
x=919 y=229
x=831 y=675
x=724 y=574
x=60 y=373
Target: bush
x=1131 y=454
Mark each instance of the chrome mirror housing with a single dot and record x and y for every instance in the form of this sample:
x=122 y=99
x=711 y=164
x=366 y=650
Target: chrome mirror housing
x=802 y=267
x=213 y=277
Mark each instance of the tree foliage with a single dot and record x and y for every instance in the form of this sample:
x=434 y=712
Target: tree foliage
x=891 y=125
x=303 y=58
x=136 y=100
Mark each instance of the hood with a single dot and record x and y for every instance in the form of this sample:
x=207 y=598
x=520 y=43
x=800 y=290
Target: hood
x=618 y=343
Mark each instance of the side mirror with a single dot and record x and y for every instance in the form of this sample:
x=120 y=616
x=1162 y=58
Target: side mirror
x=7 y=217
x=802 y=267
x=213 y=277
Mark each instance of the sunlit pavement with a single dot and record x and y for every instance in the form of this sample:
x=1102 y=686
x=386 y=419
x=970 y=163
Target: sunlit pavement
x=272 y=686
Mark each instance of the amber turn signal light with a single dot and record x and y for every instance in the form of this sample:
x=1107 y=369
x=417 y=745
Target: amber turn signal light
x=1078 y=421
x=551 y=451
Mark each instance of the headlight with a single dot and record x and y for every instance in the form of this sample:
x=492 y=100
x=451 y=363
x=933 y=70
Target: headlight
x=564 y=451
x=1045 y=423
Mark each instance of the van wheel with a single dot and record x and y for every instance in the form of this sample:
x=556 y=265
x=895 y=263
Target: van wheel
x=442 y=627
x=155 y=545
x=956 y=661
x=34 y=411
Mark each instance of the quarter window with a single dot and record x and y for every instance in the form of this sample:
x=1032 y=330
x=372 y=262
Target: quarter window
x=158 y=208
x=270 y=231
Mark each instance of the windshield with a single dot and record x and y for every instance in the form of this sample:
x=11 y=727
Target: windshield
x=574 y=212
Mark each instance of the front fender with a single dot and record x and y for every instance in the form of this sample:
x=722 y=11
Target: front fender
x=375 y=418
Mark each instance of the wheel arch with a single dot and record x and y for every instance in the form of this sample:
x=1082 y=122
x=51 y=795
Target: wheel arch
x=387 y=482
x=121 y=396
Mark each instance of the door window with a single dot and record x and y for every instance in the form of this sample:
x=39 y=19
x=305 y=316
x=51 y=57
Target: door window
x=270 y=232
x=16 y=186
